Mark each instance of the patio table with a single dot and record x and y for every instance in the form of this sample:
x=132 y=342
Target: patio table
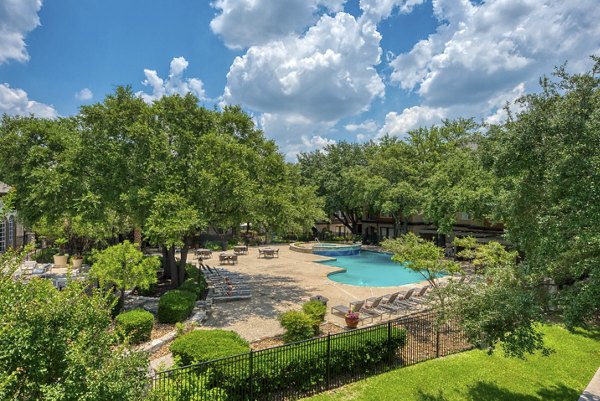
x=203 y=253
x=240 y=250
x=230 y=258
x=268 y=252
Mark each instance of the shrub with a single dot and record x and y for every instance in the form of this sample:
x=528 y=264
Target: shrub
x=213 y=246
x=58 y=345
x=192 y=271
x=316 y=311
x=206 y=345
x=187 y=387
x=298 y=326
x=192 y=286
x=135 y=324
x=304 y=365
x=46 y=255
x=175 y=306
x=146 y=292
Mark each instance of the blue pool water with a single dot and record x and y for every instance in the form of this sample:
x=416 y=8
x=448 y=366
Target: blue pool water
x=372 y=269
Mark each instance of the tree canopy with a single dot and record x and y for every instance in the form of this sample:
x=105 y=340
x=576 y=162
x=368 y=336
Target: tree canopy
x=170 y=169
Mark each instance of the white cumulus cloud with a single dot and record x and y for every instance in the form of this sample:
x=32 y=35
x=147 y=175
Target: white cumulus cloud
x=17 y=18
x=296 y=134
x=322 y=76
x=244 y=23
x=376 y=10
x=84 y=94
x=481 y=51
x=175 y=82
x=14 y=101
x=412 y=118
x=367 y=126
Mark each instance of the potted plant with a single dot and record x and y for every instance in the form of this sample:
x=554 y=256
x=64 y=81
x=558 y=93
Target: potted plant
x=352 y=319
x=76 y=261
x=60 y=259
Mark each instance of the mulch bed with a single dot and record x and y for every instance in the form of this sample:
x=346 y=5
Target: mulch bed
x=269 y=342
x=160 y=329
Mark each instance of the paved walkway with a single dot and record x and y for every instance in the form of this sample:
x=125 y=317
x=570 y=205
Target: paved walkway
x=282 y=284
x=592 y=391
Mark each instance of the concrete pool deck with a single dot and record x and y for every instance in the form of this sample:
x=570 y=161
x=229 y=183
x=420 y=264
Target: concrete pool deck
x=279 y=285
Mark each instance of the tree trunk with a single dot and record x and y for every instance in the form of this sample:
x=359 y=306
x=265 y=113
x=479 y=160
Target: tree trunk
x=171 y=266
x=396 y=225
x=166 y=263
x=183 y=258
x=122 y=299
x=137 y=237
x=441 y=240
x=268 y=236
x=175 y=278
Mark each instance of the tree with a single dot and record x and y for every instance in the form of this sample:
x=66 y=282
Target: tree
x=545 y=158
x=169 y=170
x=58 y=345
x=325 y=170
x=393 y=182
x=284 y=204
x=428 y=259
x=424 y=257
x=505 y=304
x=450 y=176
x=124 y=266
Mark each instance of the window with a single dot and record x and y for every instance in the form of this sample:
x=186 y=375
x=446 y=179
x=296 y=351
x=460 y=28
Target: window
x=11 y=240
x=2 y=236
x=386 y=232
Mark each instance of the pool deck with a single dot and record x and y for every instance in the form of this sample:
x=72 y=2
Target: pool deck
x=283 y=284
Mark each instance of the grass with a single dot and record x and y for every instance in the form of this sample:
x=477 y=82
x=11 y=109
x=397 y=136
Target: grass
x=476 y=376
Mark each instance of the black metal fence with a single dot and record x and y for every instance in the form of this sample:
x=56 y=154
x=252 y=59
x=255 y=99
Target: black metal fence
x=308 y=367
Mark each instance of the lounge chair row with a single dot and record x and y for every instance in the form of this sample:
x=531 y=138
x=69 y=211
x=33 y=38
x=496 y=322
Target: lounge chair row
x=387 y=304
x=225 y=283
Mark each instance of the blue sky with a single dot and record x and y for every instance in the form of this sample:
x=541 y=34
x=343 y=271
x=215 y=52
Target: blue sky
x=310 y=72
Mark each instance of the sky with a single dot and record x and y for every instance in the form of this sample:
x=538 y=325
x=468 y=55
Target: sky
x=309 y=72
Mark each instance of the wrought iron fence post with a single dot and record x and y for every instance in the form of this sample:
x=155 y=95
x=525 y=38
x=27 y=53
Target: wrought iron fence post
x=328 y=362
x=389 y=342
x=251 y=371
x=437 y=339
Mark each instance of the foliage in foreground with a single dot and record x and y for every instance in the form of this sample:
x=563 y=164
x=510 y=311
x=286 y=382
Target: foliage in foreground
x=57 y=345
x=475 y=375
x=547 y=163
x=299 y=367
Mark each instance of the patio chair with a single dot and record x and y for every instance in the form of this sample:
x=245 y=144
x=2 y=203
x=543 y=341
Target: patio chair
x=402 y=301
x=388 y=302
x=374 y=309
x=417 y=299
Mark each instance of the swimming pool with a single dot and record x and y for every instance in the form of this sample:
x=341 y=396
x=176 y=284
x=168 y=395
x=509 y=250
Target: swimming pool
x=372 y=269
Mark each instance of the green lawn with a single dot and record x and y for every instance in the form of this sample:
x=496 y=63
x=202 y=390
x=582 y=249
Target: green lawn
x=475 y=376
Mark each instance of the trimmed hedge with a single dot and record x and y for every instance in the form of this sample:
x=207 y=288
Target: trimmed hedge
x=298 y=326
x=175 y=306
x=316 y=311
x=303 y=365
x=205 y=345
x=135 y=325
x=192 y=286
